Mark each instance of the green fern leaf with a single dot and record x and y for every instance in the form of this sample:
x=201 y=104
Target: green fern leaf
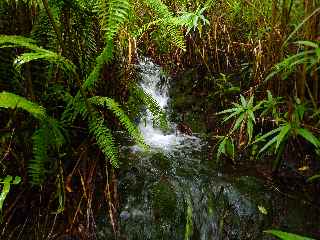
x=36 y=166
x=159 y=117
x=104 y=139
x=13 y=101
x=49 y=134
x=112 y=14
x=117 y=13
x=168 y=23
x=37 y=53
x=123 y=118
x=104 y=58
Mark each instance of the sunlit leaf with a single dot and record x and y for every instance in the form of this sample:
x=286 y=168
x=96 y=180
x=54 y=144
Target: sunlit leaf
x=287 y=236
x=263 y=210
x=250 y=129
x=308 y=44
x=238 y=122
x=282 y=134
x=271 y=142
x=230 y=148
x=306 y=134
x=314 y=177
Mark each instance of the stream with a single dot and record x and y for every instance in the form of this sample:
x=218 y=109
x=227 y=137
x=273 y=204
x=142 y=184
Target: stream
x=174 y=192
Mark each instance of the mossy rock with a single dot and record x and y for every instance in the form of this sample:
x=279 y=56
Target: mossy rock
x=164 y=200
x=160 y=161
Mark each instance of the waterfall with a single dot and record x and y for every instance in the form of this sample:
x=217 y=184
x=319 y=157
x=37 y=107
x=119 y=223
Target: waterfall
x=157 y=85
x=160 y=189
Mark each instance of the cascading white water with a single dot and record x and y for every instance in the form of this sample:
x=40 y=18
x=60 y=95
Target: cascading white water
x=151 y=83
x=157 y=188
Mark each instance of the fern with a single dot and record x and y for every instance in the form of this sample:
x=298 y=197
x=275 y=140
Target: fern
x=167 y=22
x=37 y=53
x=49 y=133
x=112 y=15
x=104 y=138
x=159 y=8
x=159 y=116
x=103 y=135
x=103 y=58
x=13 y=101
x=123 y=118
x=36 y=166
x=75 y=106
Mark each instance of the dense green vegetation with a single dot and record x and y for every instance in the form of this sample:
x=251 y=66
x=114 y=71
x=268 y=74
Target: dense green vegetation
x=68 y=84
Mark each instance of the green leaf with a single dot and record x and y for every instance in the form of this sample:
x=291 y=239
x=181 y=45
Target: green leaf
x=283 y=133
x=270 y=97
x=267 y=134
x=251 y=115
x=272 y=141
x=231 y=116
x=11 y=100
x=250 y=129
x=230 y=148
x=5 y=189
x=122 y=116
x=314 y=177
x=232 y=90
x=250 y=103
x=243 y=101
x=238 y=122
x=262 y=209
x=308 y=44
x=306 y=134
x=228 y=111
x=221 y=148
x=16 y=180
x=287 y=236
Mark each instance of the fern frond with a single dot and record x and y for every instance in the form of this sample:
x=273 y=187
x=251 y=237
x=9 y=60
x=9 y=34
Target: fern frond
x=13 y=101
x=37 y=53
x=159 y=116
x=55 y=133
x=104 y=139
x=112 y=14
x=117 y=13
x=102 y=59
x=36 y=166
x=167 y=22
x=159 y=8
x=97 y=128
x=175 y=35
x=49 y=133
x=121 y=115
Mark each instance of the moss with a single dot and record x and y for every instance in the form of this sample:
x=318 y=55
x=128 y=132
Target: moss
x=160 y=161
x=164 y=200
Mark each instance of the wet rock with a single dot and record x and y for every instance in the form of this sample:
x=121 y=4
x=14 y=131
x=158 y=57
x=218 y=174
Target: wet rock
x=163 y=200
x=160 y=161
x=184 y=128
x=124 y=215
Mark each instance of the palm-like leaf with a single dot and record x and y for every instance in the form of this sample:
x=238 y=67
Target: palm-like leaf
x=244 y=114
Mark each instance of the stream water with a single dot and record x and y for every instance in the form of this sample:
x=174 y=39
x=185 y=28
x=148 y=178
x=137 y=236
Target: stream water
x=173 y=192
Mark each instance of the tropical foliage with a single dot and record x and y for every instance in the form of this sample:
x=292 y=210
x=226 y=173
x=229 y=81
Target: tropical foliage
x=68 y=86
